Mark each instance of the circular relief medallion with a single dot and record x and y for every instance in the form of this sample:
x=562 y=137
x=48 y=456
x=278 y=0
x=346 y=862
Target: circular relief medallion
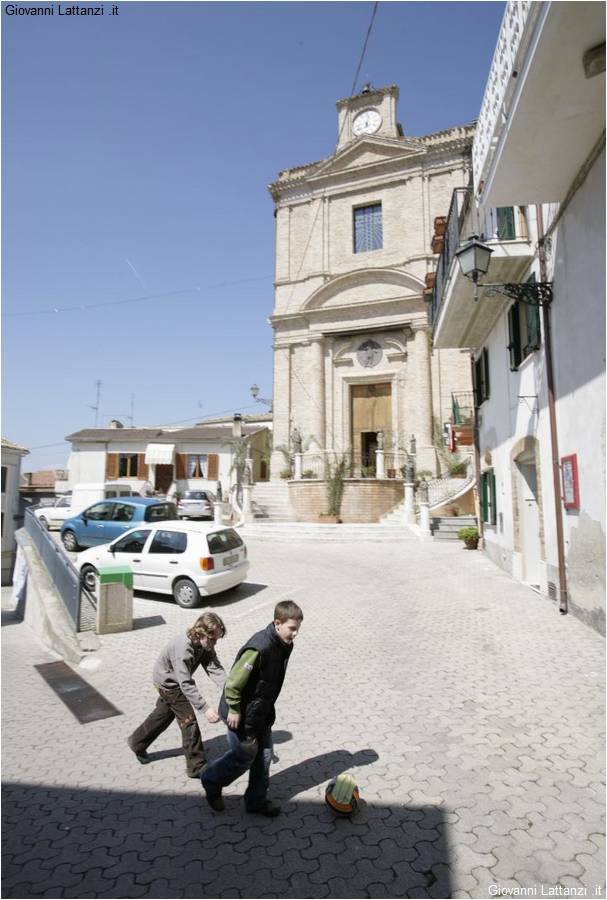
x=369 y=354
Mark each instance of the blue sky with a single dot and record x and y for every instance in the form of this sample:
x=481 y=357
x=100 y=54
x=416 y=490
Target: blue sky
x=136 y=152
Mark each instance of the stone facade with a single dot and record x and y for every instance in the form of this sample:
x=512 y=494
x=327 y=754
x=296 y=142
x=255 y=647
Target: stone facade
x=346 y=317
x=365 y=500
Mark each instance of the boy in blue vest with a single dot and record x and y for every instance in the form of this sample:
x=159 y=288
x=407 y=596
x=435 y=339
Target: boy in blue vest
x=247 y=707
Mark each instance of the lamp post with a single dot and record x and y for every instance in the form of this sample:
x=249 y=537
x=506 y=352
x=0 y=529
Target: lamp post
x=255 y=395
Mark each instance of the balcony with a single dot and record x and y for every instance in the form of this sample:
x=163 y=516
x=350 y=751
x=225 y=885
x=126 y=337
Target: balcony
x=544 y=103
x=457 y=320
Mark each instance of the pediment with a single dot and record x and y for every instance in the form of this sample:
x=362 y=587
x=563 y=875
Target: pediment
x=368 y=152
x=366 y=286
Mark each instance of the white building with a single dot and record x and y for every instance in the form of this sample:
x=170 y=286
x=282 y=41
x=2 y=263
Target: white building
x=538 y=201
x=12 y=454
x=167 y=460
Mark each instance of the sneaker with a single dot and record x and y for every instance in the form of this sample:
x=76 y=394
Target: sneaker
x=267 y=808
x=214 y=798
x=142 y=755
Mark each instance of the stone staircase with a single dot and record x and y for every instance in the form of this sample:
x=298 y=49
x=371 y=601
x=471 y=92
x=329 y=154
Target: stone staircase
x=271 y=502
x=445 y=528
x=266 y=530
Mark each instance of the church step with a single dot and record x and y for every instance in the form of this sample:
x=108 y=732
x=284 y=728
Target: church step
x=445 y=528
x=311 y=531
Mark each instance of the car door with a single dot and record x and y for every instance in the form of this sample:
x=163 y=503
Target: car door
x=128 y=550
x=92 y=523
x=122 y=519
x=163 y=559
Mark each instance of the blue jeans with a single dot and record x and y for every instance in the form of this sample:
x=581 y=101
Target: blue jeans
x=255 y=755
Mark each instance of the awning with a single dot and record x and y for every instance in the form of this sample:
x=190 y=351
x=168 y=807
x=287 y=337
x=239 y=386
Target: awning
x=160 y=453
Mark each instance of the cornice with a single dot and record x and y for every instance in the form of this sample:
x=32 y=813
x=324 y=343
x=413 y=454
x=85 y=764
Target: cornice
x=370 y=94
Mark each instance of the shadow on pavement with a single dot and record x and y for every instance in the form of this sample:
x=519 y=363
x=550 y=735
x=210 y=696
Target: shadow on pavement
x=234 y=595
x=148 y=622
x=73 y=842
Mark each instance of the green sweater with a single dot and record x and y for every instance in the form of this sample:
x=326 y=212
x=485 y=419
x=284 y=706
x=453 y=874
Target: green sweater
x=238 y=677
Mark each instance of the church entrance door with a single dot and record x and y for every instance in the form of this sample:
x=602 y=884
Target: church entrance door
x=371 y=412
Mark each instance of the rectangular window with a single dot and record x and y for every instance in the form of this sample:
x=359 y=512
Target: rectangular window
x=4 y=472
x=197 y=465
x=505 y=223
x=368 y=232
x=169 y=542
x=127 y=465
x=160 y=512
x=524 y=331
x=488 y=505
x=481 y=377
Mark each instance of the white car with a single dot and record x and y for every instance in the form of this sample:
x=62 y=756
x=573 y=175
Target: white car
x=189 y=560
x=55 y=515
x=196 y=505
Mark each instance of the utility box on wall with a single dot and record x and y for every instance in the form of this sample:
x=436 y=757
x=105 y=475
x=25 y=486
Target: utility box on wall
x=115 y=604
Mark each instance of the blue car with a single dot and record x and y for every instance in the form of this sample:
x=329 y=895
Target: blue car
x=104 y=521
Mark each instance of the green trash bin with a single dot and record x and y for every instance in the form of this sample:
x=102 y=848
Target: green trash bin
x=115 y=603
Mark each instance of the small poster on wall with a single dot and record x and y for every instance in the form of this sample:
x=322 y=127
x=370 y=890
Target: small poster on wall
x=571 y=488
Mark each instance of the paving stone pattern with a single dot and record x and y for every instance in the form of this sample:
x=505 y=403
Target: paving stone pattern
x=469 y=711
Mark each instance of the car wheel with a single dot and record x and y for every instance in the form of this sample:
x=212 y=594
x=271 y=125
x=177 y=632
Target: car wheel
x=186 y=594
x=89 y=576
x=43 y=522
x=69 y=541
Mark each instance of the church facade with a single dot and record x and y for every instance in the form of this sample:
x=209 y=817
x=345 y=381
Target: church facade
x=353 y=357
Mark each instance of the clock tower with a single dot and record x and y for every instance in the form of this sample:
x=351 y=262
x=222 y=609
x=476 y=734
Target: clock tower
x=372 y=112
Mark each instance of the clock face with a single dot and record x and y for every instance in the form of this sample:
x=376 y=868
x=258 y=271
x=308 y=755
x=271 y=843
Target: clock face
x=366 y=122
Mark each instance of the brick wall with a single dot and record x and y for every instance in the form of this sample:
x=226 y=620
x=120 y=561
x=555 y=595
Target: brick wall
x=364 y=500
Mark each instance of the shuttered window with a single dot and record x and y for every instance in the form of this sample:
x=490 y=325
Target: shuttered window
x=197 y=465
x=212 y=467
x=481 y=377
x=505 y=223
x=128 y=465
x=488 y=504
x=524 y=330
x=368 y=231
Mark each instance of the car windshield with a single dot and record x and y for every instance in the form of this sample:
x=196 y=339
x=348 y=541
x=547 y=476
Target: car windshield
x=160 y=512
x=194 y=495
x=220 y=541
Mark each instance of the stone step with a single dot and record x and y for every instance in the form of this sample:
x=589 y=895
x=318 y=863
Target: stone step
x=312 y=531
x=445 y=528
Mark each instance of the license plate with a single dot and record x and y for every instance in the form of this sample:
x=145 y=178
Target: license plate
x=230 y=560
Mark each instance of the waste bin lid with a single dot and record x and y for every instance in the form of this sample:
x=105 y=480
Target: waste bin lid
x=116 y=575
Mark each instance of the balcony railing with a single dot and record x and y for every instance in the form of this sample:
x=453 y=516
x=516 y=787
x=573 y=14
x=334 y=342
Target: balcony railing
x=462 y=407
x=460 y=203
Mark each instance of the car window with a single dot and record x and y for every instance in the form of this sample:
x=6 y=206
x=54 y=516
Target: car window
x=131 y=543
x=63 y=503
x=99 y=511
x=194 y=495
x=169 y=542
x=160 y=512
x=220 y=541
x=123 y=512
x=110 y=494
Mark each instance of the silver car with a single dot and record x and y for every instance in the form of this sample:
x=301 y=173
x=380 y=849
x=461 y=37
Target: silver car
x=196 y=505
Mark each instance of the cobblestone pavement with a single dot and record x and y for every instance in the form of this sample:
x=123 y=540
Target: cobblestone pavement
x=469 y=711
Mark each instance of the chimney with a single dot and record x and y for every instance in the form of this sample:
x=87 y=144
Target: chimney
x=116 y=424
x=237 y=426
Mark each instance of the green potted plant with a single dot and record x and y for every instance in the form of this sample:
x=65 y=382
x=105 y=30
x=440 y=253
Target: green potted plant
x=457 y=468
x=285 y=473
x=334 y=476
x=308 y=473
x=469 y=535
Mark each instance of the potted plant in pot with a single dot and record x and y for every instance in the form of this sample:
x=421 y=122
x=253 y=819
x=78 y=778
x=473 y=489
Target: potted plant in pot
x=469 y=535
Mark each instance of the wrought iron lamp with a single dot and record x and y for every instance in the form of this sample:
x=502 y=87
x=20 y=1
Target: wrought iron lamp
x=474 y=258
x=255 y=394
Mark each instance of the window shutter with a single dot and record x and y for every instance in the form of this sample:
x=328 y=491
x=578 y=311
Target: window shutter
x=142 y=469
x=484 y=496
x=476 y=383
x=493 y=497
x=486 y=391
x=505 y=223
x=514 y=336
x=180 y=459
x=212 y=467
x=111 y=466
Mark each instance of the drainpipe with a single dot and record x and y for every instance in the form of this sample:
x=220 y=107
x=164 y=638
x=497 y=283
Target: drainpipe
x=556 y=471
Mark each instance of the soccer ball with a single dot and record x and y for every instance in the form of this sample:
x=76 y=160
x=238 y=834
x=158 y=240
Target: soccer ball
x=342 y=795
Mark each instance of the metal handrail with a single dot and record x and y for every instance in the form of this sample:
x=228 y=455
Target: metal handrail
x=62 y=572
x=462 y=407
x=460 y=202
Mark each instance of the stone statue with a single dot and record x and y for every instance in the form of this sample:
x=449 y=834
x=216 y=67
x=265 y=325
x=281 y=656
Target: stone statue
x=219 y=493
x=246 y=475
x=412 y=445
x=422 y=491
x=409 y=471
x=380 y=440
x=296 y=440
